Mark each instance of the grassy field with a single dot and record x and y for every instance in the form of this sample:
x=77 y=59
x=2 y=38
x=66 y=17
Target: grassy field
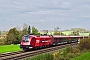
x=83 y=56
x=9 y=48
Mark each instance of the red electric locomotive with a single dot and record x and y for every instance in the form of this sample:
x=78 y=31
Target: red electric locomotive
x=32 y=41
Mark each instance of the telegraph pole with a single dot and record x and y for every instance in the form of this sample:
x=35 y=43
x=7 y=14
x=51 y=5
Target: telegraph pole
x=83 y=34
x=60 y=31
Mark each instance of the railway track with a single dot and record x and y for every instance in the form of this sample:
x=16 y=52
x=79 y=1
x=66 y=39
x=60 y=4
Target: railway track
x=21 y=55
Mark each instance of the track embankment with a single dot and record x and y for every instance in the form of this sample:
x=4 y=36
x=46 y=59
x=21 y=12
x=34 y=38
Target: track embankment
x=21 y=55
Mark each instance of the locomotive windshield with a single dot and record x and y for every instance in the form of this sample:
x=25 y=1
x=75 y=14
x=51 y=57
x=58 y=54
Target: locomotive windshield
x=26 y=38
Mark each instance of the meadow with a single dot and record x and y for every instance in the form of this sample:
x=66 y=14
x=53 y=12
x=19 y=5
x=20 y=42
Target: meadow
x=9 y=48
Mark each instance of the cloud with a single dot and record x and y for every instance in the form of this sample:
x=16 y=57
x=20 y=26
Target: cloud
x=44 y=13
x=42 y=20
x=65 y=4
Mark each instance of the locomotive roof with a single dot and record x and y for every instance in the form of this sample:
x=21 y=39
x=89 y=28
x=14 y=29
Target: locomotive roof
x=56 y=36
x=69 y=36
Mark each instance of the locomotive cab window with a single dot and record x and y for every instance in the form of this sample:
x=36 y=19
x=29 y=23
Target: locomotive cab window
x=26 y=38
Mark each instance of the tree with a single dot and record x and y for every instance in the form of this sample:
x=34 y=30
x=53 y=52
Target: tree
x=2 y=41
x=13 y=36
x=78 y=30
x=0 y=33
x=34 y=31
x=24 y=31
x=57 y=31
x=25 y=25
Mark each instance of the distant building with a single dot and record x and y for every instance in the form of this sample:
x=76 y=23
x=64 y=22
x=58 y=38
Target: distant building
x=3 y=34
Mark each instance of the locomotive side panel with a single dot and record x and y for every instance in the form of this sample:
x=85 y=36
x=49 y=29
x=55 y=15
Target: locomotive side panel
x=46 y=41
x=33 y=40
x=38 y=42
x=43 y=41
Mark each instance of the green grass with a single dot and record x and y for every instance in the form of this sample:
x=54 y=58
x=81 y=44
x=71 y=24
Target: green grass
x=9 y=48
x=83 y=56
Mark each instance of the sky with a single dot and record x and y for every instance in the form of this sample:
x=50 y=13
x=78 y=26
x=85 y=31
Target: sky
x=45 y=14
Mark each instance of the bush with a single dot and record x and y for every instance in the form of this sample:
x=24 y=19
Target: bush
x=46 y=56
x=69 y=49
x=84 y=44
x=61 y=54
